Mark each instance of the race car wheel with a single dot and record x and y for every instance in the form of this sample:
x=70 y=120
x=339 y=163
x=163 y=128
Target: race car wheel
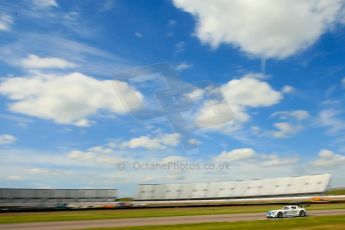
x=280 y=215
x=302 y=213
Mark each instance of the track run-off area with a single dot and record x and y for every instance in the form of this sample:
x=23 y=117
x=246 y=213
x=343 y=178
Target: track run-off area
x=127 y=222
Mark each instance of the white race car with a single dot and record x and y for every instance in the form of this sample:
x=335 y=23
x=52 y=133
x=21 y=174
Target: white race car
x=288 y=211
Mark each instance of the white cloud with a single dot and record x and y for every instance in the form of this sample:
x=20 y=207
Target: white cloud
x=45 y=3
x=273 y=160
x=248 y=156
x=35 y=62
x=214 y=114
x=38 y=171
x=236 y=155
x=176 y=159
x=194 y=141
x=98 y=154
x=47 y=172
x=79 y=155
x=327 y=158
x=90 y=60
x=285 y=129
x=237 y=95
x=83 y=123
x=330 y=119
x=69 y=99
x=293 y=126
x=160 y=142
x=195 y=95
x=6 y=22
x=287 y=89
x=256 y=130
x=343 y=82
x=15 y=178
x=183 y=66
x=6 y=139
x=138 y=34
x=172 y=22
x=296 y=114
x=180 y=47
x=265 y=28
x=251 y=92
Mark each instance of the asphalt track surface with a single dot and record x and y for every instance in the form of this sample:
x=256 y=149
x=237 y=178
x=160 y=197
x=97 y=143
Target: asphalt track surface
x=54 y=225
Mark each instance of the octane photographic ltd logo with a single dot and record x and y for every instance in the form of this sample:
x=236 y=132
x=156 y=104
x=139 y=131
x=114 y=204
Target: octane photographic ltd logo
x=181 y=166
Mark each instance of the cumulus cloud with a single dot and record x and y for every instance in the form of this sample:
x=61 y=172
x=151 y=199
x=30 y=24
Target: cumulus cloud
x=194 y=141
x=236 y=96
x=245 y=154
x=327 y=158
x=183 y=66
x=236 y=155
x=290 y=125
x=45 y=3
x=295 y=114
x=97 y=154
x=272 y=160
x=159 y=142
x=176 y=159
x=285 y=129
x=250 y=92
x=287 y=89
x=35 y=62
x=38 y=171
x=266 y=28
x=6 y=139
x=330 y=118
x=215 y=114
x=195 y=95
x=15 y=178
x=6 y=22
x=69 y=99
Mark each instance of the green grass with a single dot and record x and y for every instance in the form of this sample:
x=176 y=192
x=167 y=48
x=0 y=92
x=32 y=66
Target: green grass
x=125 y=199
x=336 y=191
x=320 y=223
x=20 y=217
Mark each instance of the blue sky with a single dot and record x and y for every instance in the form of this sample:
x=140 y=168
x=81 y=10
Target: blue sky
x=88 y=85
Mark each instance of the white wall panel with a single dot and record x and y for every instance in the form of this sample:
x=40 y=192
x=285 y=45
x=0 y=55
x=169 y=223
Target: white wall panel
x=226 y=188
x=267 y=187
x=323 y=182
x=283 y=186
x=199 y=190
x=253 y=188
x=299 y=184
x=240 y=188
x=172 y=191
x=186 y=191
x=52 y=197
x=230 y=189
x=159 y=192
x=146 y=191
x=213 y=189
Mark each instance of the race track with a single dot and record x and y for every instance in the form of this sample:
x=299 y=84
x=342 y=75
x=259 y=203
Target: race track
x=152 y=221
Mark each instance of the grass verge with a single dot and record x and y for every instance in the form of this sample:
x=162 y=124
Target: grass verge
x=21 y=217
x=336 y=191
x=320 y=223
